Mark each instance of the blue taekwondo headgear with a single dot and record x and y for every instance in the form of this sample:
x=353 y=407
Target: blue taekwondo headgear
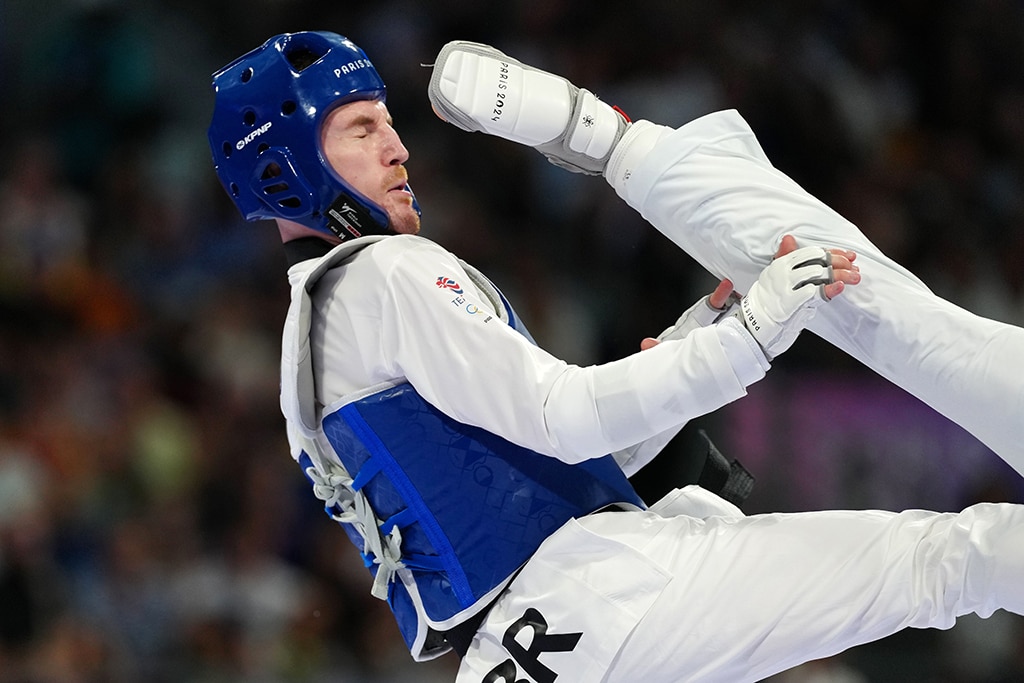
x=265 y=133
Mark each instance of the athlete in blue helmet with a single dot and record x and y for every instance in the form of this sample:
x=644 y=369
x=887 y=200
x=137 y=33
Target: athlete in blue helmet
x=268 y=103
x=485 y=482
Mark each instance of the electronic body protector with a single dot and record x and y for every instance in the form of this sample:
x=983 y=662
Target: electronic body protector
x=443 y=513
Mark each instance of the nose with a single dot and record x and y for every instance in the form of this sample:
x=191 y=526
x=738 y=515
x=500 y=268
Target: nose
x=395 y=153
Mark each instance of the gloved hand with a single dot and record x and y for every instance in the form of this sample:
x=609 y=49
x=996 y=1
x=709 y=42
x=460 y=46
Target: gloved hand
x=786 y=297
x=478 y=88
x=707 y=311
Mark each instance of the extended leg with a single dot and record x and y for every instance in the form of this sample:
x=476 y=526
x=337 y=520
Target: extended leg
x=709 y=187
x=757 y=595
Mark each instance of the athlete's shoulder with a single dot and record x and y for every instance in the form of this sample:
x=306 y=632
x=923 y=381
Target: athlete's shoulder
x=402 y=252
x=398 y=245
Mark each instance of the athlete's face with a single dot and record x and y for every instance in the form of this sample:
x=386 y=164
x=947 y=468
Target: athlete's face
x=360 y=144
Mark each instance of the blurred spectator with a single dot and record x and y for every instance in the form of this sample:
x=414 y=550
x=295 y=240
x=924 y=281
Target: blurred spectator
x=43 y=237
x=152 y=525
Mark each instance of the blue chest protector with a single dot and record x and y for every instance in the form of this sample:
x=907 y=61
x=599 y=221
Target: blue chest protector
x=457 y=509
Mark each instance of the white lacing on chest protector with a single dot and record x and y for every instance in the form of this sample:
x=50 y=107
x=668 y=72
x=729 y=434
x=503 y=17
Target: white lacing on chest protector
x=335 y=489
x=331 y=481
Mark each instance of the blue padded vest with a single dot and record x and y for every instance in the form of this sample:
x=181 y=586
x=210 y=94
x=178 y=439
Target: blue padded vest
x=471 y=506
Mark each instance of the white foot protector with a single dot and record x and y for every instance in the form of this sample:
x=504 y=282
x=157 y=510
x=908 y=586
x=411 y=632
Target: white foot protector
x=478 y=88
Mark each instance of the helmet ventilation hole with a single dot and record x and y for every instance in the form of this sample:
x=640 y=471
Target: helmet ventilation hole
x=302 y=58
x=249 y=118
x=247 y=75
x=288 y=107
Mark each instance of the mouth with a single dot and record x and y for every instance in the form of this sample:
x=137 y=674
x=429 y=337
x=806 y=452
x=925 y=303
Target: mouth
x=399 y=184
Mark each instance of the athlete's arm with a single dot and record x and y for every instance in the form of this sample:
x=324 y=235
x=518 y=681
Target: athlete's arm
x=449 y=343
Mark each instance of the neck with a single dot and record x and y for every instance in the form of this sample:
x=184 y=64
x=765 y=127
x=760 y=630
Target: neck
x=304 y=249
x=290 y=230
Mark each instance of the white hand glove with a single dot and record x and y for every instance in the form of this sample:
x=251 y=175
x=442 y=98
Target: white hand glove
x=786 y=297
x=701 y=314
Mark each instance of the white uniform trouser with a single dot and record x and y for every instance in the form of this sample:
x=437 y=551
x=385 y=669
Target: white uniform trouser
x=641 y=597
x=709 y=187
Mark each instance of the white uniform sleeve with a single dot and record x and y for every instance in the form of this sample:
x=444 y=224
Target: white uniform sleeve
x=443 y=336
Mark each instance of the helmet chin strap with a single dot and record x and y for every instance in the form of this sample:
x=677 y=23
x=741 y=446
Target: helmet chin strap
x=348 y=218
x=351 y=215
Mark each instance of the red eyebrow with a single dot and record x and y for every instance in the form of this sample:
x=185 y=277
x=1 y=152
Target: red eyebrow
x=364 y=120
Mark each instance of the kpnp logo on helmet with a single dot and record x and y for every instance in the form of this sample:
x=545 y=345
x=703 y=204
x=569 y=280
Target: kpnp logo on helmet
x=240 y=145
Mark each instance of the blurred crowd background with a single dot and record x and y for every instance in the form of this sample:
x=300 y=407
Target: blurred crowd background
x=152 y=525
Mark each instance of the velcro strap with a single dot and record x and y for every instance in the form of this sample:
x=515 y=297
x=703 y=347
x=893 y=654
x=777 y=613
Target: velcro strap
x=730 y=480
x=400 y=519
x=597 y=126
x=370 y=469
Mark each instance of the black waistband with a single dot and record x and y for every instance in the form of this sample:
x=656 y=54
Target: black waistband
x=461 y=637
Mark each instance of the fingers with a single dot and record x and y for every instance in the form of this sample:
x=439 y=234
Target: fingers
x=841 y=278
x=840 y=256
x=835 y=289
x=844 y=271
x=842 y=259
x=787 y=245
x=850 y=256
x=648 y=343
x=721 y=295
